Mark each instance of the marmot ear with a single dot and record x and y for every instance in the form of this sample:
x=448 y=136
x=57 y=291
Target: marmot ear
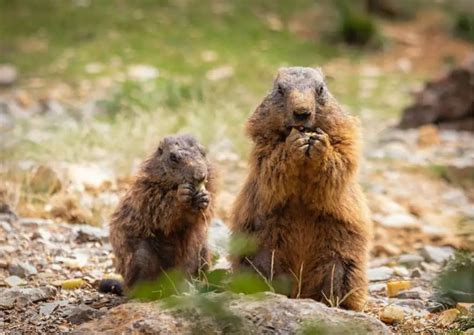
x=320 y=71
x=159 y=150
x=202 y=150
x=280 y=73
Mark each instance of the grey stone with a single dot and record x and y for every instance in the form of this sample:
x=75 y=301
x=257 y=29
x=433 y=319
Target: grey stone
x=265 y=313
x=410 y=260
x=48 y=308
x=416 y=273
x=411 y=303
x=398 y=220
x=35 y=222
x=22 y=270
x=377 y=288
x=439 y=255
x=82 y=313
x=11 y=297
x=379 y=274
x=5 y=226
x=87 y=233
x=14 y=281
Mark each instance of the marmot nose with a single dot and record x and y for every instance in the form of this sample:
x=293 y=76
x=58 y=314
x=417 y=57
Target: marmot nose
x=199 y=176
x=301 y=114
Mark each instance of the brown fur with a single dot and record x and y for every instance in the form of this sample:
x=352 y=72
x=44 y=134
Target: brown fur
x=161 y=223
x=301 y=201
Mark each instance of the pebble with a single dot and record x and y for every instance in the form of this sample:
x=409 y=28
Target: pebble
x=438 y=255
x=416 y=273
x=48 y=308
x=379 y=274
x=5 y=226
x=398 y=220
x=35 y=222
x=410 y=260
x=449 y=316
x=14 y=281
x=22 y=270
x=377 y=288
x=82 y=313
x=21 y=296
x=392 y=314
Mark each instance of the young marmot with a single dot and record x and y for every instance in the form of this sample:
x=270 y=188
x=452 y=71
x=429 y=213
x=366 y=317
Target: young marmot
x=301 y=202
x=161 y=223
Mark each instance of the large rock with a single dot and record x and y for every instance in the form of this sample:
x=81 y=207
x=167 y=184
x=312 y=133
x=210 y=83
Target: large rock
x=12 y=297
x=226 y=313
x=447 y=101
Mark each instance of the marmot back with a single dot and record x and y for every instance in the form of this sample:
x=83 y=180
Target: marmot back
x=301 y=201
x=161 y=223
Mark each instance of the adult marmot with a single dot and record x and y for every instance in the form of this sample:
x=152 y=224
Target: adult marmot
x=161 y=223
x=301 y=201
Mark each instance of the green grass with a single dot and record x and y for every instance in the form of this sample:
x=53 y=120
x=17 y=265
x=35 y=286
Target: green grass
x=54 y=40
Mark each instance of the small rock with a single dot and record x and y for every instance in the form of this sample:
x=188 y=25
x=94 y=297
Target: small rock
x=447 y=317
x=401 y=271
x=438 y=255
x=377 y=288
x=8 y=74
x=22 y=270
x=399 y=220
x=22 y=296
x=414 y=293
x=72 y=284
x=14 y=281
x=411 y=303
x=5 y=226
x=35 y=222
x=45 y=180
x=392 y=314
x=394 y=287
x=82 y=313
x=410 y=260
x=416 y=273
x=87 y=233
x=379 y=274
x=48 y=308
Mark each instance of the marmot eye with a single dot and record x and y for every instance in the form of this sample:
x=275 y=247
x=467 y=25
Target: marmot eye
x=320 y=90
x=280 y=90
x=174 y=157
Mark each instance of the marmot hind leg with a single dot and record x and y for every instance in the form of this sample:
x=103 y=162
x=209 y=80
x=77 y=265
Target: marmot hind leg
x=144 y=265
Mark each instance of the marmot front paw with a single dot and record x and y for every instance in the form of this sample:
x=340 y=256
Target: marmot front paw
x=201 y=199
x=185 y=193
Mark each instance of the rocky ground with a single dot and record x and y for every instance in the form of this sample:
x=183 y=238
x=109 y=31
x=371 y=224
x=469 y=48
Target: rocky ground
x=418 y=182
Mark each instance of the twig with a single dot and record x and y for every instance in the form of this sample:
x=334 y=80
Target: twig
x=261 y=275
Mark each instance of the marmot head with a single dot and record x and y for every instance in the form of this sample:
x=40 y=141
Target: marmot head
x=299 y=99
x=178 y=159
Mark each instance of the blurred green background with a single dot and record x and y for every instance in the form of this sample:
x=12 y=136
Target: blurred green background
x=124 y=73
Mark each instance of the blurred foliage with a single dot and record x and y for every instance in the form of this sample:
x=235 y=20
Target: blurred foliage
x=356 y=26
x=464 y=26
x=457 y=278
x=242 y=244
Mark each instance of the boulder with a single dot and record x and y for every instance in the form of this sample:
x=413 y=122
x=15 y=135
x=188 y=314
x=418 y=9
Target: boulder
x=447 y=101
x=213 y=313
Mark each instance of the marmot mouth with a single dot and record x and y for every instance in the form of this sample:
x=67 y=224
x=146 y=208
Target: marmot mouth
x=303 y=129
